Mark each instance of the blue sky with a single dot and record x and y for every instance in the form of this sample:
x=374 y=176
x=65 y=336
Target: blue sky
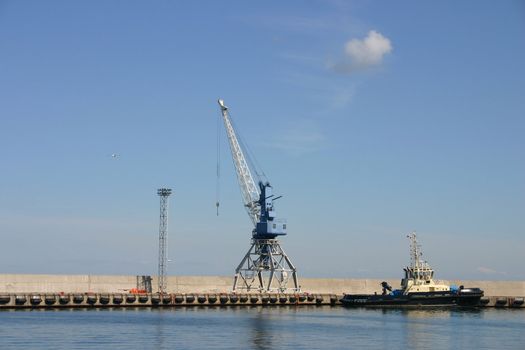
x=371 y=118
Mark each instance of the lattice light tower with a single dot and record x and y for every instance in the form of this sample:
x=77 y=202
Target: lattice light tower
x=163 y=193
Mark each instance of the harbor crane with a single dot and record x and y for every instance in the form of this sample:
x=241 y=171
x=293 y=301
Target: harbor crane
x=265 y=267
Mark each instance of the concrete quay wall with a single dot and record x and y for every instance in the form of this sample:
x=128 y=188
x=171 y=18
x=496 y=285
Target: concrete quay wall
x=26 y=283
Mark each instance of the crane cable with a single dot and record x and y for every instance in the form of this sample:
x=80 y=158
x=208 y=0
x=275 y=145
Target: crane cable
x=218 y=184
x=253 y=164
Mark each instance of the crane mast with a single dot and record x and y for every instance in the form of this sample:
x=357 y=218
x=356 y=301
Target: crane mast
x=249 y=191
x=265 y=267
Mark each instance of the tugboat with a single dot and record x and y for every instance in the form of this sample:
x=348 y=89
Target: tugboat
x=418 y=288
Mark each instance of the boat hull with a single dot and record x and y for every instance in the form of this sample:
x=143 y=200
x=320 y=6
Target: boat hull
x=465 y=297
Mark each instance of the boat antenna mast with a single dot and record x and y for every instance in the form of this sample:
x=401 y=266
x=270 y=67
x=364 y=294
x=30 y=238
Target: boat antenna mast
x=415 y=252
x=420 y=269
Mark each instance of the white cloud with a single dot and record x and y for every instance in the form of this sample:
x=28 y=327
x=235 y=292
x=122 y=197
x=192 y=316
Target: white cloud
x=364 y=53
x=370 y=50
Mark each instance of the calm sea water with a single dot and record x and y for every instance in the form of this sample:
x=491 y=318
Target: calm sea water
x=302 y=327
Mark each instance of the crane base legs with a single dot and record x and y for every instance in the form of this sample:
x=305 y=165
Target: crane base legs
x=266 y=268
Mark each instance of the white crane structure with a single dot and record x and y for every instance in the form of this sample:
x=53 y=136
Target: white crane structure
x=249 y=192
x=265 y=267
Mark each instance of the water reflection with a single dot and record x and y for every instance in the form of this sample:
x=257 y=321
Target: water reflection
x=431 y=327
x=431 y=312
x=260 y=330
x=160 y=325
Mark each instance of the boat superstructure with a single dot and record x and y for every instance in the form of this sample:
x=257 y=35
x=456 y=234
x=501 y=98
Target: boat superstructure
x=419 y=276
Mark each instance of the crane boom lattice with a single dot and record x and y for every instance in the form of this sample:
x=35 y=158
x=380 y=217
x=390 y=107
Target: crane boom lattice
x=249 y=191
